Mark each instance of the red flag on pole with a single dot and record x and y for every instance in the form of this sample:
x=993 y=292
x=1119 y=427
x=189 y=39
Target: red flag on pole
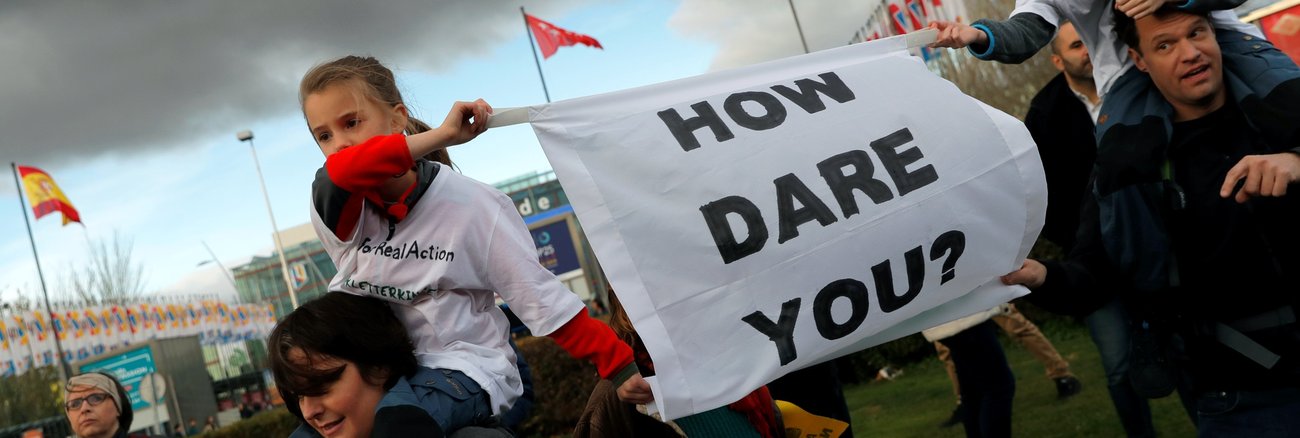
x=551 y=37
x=44 y=195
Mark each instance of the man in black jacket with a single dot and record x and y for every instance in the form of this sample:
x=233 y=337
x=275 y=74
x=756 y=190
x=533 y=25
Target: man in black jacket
x=1061 y=120
x=1191 y=222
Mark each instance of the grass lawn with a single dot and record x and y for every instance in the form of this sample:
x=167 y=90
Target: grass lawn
x=915 y=403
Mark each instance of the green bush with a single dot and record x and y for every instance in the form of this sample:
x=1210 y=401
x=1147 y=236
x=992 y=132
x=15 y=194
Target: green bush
x=275 y=423
x=561 y=385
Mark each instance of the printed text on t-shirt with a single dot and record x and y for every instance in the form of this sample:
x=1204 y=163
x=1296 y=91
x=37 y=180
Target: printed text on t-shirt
x=408 y=250
x=385 y=291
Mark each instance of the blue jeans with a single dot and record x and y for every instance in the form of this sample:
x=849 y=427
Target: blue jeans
x=1255 y=414
x=1111 y=329
x=987 y=386
x=1109 y=326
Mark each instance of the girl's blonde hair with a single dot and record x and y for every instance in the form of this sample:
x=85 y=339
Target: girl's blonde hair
x=376 y=83
x=619 y=322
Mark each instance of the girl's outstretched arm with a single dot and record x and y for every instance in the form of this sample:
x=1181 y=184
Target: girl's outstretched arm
x=464 y=122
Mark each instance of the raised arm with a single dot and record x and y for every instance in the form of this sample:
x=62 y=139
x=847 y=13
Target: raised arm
x=544 y=304
x=1010 y=41
x=464 y=121
x=1081 y=283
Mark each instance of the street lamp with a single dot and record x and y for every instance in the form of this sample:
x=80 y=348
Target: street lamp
x=224 y=272
x=279 y=247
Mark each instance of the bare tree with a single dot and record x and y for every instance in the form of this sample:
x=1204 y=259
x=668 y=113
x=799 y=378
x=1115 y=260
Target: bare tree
x=1007 y=87
x=111 y=277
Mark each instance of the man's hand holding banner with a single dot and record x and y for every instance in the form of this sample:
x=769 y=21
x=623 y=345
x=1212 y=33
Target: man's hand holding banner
x=759 y=220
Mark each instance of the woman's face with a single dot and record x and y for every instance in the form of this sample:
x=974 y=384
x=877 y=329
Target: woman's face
x=340 y=115
x=347 y=408
x=97 y=418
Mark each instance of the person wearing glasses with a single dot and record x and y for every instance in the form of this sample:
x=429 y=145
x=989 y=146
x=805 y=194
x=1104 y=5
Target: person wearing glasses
x=97 y=406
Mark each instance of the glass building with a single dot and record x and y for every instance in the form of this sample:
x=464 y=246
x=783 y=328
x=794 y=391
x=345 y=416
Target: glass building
x=310 y=270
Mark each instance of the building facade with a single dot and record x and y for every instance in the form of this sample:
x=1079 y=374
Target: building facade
x=310 y=270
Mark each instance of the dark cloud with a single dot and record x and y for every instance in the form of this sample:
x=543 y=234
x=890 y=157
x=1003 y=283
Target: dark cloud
x=86 y=78
x=748 y=31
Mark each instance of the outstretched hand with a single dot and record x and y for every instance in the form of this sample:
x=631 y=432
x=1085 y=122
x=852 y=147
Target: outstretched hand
x=635 y=390
x=1137 y=9
x=465 y=121
x=1261 y=175
x=956 y=35
x=1031 y=274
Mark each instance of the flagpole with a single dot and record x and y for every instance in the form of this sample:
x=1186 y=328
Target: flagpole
x=533 y=45
x=64 y=369
x=798 y=27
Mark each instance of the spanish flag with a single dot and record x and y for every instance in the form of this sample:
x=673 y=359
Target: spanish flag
x=45 y=196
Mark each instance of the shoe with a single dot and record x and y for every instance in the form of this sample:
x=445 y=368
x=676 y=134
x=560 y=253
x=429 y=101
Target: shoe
x=955 y=419
x=1067 y=387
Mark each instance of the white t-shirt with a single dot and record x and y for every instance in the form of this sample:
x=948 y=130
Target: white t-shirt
x=461 y=242
x=1094 y=109
x=1095 y=23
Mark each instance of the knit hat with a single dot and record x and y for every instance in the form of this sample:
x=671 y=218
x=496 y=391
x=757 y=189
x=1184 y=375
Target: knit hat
x=96 y=380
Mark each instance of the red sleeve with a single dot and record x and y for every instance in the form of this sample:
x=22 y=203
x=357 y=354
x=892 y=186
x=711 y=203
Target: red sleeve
x=591 y=340
x=364 y=167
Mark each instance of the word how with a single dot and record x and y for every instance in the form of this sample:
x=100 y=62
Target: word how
x=773 y=115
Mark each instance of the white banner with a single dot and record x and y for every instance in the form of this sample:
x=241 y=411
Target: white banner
x=760 y=220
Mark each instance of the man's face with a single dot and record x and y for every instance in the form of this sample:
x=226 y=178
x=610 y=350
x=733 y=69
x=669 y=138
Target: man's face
x=95 y=414
x=1070 y=56
x=1180 y=53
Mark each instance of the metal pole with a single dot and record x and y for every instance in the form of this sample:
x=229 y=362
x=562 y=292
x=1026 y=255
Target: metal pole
x=176 y=402
x=64 y=369
x=153 y=398
x=312 y=262
x=279 y=247
x=798 y=26
x=224 y=271
x=533 y=45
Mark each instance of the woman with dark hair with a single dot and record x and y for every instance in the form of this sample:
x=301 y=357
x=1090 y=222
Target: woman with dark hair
x=97 y=406
x=753 y=416
x=345 y=366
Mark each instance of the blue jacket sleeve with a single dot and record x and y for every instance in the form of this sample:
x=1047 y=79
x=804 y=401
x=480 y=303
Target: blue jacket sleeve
x=1013 y=40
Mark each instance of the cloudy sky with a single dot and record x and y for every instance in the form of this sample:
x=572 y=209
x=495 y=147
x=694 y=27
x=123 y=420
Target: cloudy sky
x=132 y=106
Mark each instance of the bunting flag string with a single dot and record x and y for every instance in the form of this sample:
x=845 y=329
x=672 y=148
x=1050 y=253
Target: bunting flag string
x=27 y=336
